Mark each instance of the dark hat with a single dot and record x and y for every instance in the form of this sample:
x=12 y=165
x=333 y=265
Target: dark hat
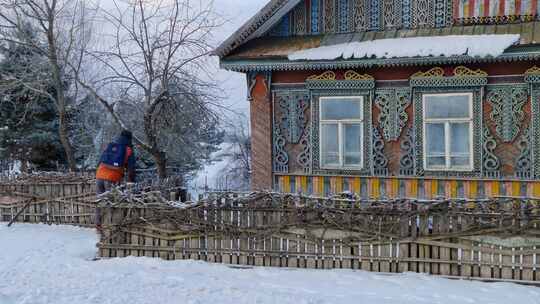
x=126 y=137
x=127 y=134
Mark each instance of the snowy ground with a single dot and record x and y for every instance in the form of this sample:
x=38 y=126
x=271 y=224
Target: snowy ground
x=52 y=264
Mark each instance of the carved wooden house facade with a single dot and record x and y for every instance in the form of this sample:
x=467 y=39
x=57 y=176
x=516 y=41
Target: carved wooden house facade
x=393 y=98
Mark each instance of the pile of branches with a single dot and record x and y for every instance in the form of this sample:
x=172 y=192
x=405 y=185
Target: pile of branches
x=150 y=194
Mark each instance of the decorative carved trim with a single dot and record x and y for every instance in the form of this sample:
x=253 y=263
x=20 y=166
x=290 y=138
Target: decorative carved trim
x=340 y=84
x=380 y=162
x=423 y=13
x=352 y=75
x=507 y=110
x=393 y=116
x=251 y=82
x=462 y=76
x=535 y=127
x=293 y=106
x=524 y=162
x=532 y=75
x=281 y=158
x=328 y=75
x=459 y=71
x=490 y=162
x=462 y=71
x=251 y=78
x=304 y=158
x=349 y=75
x=343 y=16
x=533 y=71
x=434 y=72
x=406 y=162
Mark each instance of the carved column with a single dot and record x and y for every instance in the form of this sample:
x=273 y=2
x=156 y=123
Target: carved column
x=259 y=95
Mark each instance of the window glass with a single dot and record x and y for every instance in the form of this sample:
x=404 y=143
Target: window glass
x=341 y=108
x=353 y=144
x=447 y=106
x=459 y=138
x=435 y=145
x=341 y=128
x=435 y=140
x=330 y=144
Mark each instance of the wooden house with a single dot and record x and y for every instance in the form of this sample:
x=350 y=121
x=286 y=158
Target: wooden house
x=393 y=98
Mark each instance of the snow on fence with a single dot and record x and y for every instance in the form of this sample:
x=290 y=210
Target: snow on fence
x=486 y=239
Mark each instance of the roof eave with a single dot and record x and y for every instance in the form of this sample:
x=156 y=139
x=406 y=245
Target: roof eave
x=256 y=26
x=283 y=64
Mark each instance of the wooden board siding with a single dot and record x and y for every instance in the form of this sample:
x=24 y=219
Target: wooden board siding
x=406 y=187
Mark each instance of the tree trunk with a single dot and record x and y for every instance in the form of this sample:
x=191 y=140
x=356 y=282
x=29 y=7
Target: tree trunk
x=60 y=92
x=24 y=166
x=160 y=158
x=161 y=164
x=64 y=139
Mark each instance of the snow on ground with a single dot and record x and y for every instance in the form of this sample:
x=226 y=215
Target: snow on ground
x=52 y=264
x=454 y=45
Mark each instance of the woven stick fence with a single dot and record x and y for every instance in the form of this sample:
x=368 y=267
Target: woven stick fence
x=48 y=198
x=497 y=239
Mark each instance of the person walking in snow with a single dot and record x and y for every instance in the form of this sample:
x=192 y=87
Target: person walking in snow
x=117 y=158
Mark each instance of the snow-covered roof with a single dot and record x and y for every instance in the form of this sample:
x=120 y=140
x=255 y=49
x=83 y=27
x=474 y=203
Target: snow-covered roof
x=480 y=46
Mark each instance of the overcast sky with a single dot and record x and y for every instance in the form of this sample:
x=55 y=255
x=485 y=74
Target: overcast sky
x=236 y=12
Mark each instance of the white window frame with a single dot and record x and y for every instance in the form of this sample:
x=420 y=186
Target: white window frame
x=341 y=142
x=447 y=133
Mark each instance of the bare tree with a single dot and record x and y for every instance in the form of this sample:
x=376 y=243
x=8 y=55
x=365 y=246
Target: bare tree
x=63 y=33
x=241 y=160
x=155 y=66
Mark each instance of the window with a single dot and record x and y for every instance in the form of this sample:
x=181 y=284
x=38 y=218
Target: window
x=341 y=132
x=448 y=132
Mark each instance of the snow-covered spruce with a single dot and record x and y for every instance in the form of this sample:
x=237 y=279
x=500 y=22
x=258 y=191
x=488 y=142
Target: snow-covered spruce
x=53 y=264
x=475 y=46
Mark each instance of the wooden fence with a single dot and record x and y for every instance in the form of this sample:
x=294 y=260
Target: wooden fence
x=47 y=190
x=490 y=240
x=51 y=203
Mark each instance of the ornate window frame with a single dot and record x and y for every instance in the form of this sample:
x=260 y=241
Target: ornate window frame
x=532 y=78
x=447 y=121
x=435 y=81
x=353 y=84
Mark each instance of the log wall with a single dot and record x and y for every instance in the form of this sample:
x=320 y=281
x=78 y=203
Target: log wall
x=485 y=240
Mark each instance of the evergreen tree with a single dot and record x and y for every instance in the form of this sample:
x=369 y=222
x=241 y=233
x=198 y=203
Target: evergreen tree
x=28 y=120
